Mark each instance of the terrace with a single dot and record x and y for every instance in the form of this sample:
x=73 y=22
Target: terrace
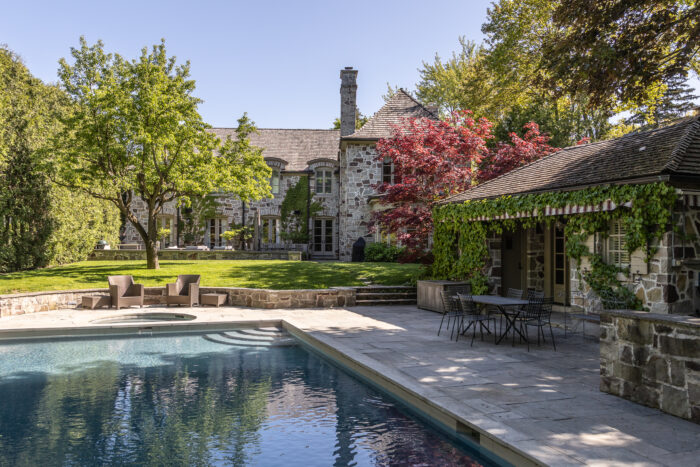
x=537 y=407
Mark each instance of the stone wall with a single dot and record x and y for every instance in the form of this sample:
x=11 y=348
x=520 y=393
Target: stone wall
x=652 y=359
x=136 y=255
x=360 y=171
x=19 y=304
x=493 y=263
x=535 y=258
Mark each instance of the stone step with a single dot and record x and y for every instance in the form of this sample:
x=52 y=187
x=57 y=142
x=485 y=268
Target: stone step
x=385 y=288
x=405 y=301
x=386 y=296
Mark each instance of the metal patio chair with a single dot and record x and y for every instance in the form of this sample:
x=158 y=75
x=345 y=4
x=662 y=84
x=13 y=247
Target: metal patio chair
x=450 y=304
x=540 y=317
x=470 y=314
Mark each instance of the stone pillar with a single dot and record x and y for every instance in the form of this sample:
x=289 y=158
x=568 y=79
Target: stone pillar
x=348 y=100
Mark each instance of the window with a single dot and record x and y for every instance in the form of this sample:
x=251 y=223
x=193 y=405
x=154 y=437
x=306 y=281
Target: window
x=324 y=181
x=388 y=171
x=383 y=237
x=275 y=181
x=270 y=230
x=616 y=251
x=215 y=227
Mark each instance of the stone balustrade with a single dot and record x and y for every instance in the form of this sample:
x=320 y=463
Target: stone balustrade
x=652 y=359
x=180 y=255
x=18 y=304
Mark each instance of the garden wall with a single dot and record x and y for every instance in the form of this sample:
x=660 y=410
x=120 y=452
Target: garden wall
x=137 y=255
x=652 y=359
x=19 y=304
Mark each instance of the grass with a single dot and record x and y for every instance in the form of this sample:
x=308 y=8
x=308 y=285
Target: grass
x=251 y=274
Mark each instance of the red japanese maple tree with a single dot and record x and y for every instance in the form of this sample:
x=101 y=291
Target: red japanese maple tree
x=435 y=159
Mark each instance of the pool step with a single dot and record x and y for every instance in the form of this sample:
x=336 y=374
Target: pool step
x=259 y=337
x=385 y=295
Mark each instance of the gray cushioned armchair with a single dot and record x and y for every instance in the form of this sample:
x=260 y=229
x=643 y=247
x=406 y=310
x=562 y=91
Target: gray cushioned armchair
x=185 y=291
x=124 y=292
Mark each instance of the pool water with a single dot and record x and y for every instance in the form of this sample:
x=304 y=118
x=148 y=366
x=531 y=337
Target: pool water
x=201 y=399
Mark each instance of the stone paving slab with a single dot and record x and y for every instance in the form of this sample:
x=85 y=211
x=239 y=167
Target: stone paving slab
x=543 y=403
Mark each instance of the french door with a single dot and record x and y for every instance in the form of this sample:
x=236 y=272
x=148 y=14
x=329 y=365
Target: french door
x=323 y=237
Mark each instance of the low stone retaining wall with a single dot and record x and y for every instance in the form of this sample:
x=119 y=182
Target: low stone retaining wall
x=136 y=255
x=652 y=359
x=19 y=304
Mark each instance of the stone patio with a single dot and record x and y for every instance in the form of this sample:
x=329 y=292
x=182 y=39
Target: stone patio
x=543 y=403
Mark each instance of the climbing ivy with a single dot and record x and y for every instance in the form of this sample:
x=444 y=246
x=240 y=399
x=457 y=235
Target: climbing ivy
x=293 y=212
x=460 y=238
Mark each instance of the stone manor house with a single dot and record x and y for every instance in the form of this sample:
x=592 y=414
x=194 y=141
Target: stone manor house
x=342 y=168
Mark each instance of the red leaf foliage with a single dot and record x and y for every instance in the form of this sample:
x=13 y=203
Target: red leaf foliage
x=436 y=159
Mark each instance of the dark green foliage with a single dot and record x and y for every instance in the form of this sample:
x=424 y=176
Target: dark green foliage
x=40 y=223
x=297 y=207
x=621 y=50
x=382 y=253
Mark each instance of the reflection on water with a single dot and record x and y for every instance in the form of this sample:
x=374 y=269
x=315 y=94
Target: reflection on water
x=188 y=401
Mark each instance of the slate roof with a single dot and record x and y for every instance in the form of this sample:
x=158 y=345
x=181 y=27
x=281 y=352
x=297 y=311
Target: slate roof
x=296 y=147
x=670 y=150
x=400 y=106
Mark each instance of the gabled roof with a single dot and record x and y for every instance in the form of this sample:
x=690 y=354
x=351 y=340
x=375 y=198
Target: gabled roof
x=400 y=106
x=670 y=150
x=296 y=147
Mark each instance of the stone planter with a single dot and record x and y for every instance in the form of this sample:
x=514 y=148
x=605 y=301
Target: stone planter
x=429 y=294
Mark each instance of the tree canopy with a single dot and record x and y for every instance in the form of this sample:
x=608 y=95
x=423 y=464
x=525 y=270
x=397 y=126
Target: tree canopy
x=621 y=50
x=135 y=133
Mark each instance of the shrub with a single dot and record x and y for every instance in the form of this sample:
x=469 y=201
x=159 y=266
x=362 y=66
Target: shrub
x=382 y=253
x=416 y=256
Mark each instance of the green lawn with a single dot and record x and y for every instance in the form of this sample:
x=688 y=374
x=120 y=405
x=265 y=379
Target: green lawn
x=253 y=274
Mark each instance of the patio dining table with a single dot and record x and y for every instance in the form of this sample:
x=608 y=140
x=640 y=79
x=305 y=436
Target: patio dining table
x=502 y=303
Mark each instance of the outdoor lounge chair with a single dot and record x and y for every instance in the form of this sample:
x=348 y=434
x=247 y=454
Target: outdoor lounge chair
x=124 y=292
x=184 y=291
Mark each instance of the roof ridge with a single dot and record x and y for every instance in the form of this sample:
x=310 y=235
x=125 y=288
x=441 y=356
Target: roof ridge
x=419 y=103
x=282 y=129
x=680 y=150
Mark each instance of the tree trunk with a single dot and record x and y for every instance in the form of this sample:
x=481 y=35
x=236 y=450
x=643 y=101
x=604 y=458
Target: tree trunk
x=151 y=250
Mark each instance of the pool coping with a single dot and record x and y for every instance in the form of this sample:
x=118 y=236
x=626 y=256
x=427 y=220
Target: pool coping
x=497 y=438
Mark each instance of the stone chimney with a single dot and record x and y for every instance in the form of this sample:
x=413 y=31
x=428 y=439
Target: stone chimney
x=348 y=100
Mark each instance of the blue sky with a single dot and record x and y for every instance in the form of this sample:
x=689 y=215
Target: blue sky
x=277 y=60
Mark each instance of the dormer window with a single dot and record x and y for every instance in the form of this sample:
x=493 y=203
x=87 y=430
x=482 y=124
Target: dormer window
x=324 y=181
x=275 y=181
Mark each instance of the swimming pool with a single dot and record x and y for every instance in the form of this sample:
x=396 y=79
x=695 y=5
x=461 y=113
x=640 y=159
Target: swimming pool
x=241 y=397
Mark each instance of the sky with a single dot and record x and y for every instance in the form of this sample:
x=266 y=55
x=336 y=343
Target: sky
x=278 y=61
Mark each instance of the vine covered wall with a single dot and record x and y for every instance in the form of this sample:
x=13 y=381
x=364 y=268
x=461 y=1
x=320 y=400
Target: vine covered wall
x=460 y=237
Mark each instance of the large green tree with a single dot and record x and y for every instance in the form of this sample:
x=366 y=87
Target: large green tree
x=503 y=80
x=40 y=223
x=135 y=133
x=622 y=50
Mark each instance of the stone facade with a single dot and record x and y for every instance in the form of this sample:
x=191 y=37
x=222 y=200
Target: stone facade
x=360 y=172
x=653 y=360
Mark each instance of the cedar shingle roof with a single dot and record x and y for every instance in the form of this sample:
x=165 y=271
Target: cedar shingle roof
x=400 y=106
x=296 y=147
x=672 y=150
